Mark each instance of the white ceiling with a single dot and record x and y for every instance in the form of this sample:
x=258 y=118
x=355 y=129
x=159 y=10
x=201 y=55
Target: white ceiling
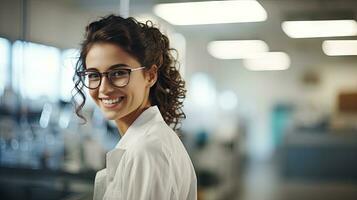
x=61 y=23
x=301 y=50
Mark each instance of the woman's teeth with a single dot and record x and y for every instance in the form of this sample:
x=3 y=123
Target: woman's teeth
x=112 y=101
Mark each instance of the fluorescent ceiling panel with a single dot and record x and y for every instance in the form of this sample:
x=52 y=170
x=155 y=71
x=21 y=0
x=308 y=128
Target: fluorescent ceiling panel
x=236 y=49
x=340 y=47
x=268 y=61
x=211 y=12
x=320 y=28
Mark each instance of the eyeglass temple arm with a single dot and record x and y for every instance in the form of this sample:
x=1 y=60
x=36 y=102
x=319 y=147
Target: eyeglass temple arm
x=139 y=68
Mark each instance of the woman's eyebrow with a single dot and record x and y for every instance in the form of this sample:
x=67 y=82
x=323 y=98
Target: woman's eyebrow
x=91 y=69
x=119 y=65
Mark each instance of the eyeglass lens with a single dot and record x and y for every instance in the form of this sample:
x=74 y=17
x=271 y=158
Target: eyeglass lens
x=118 y=78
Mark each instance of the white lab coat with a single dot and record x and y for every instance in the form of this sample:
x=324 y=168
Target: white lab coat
x=149 y=162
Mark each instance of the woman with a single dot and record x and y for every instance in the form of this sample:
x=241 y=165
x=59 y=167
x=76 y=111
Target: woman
x=131 y=76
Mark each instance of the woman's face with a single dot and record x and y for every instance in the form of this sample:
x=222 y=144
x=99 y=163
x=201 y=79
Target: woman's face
x=118 y=103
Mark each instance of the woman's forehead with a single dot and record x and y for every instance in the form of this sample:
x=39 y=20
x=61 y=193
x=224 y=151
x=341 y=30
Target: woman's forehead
x=103 y=56
x=112 y=67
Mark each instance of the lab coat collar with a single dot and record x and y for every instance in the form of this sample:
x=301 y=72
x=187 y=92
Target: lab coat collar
x=140 y=126
x=137 y=129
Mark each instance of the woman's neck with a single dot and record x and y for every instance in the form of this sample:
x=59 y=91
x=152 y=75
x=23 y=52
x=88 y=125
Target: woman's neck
x=125 y=122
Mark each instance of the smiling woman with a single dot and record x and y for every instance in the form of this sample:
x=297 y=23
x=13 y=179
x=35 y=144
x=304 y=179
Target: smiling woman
x=147 y=46
x=132 y=77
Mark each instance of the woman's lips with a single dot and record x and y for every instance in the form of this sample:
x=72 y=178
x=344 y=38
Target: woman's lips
x=111 y=103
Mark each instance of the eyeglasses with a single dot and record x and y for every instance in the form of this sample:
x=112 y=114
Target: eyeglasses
x=117 y=77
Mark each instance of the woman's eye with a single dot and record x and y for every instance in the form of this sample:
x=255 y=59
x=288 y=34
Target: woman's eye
x=118 y=73
x=93 y=75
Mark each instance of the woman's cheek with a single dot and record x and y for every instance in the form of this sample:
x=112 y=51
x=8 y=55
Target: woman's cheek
x=93 y=95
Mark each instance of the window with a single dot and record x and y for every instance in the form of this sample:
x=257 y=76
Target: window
x=4 y=64
x=35 y=70
x=69 y=60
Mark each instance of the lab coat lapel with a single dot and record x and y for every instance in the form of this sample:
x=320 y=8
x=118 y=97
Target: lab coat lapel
x=113 y=158
x=135 y=131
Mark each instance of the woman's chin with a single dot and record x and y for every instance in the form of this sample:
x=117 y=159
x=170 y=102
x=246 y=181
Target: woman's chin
x=111 y=116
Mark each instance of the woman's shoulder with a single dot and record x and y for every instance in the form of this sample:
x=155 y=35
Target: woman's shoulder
x=158 y=140
x=160 y=129
x=150 y=142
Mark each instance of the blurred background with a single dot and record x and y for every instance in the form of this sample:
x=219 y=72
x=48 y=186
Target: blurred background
x=271 y=105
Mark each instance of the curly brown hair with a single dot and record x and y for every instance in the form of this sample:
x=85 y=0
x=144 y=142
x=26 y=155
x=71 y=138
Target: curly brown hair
x=150 y=47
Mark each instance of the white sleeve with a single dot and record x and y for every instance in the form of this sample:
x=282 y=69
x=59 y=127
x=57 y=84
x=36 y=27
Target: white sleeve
x=146 y=175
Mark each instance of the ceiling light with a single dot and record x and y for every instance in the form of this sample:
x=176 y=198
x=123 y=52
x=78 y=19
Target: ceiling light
x=211 y=12
x=236 y=49
x=339 y=47
x=268 y=61
x=319 y=28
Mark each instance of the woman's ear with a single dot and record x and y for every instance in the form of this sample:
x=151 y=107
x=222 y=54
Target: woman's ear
x=151 y=75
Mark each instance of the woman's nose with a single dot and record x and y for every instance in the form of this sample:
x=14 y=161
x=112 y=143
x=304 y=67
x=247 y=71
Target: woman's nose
x=105 y=85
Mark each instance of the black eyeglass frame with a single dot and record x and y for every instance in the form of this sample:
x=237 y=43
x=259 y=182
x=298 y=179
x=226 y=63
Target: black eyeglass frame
x=106 y=74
